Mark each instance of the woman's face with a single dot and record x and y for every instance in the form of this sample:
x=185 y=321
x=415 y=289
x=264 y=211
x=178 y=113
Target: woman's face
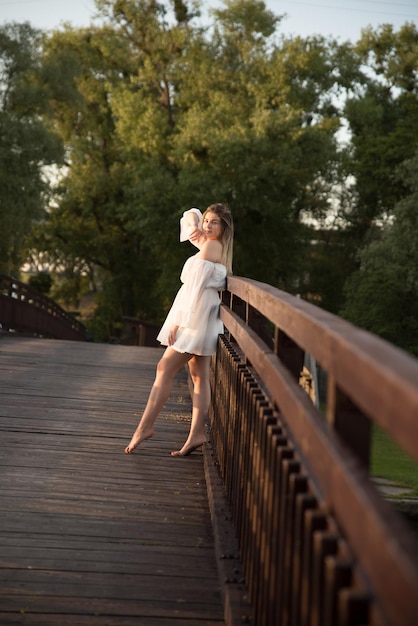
x=212 y=226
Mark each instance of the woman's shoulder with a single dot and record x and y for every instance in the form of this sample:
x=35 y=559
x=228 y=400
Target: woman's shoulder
x=211 y=251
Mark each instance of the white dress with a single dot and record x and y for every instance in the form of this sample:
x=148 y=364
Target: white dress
x=196 y=308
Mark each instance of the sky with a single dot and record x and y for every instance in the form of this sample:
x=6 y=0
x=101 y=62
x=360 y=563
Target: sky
x=343 y=19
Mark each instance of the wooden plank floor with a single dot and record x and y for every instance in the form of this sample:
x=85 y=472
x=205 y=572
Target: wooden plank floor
x=89 y=535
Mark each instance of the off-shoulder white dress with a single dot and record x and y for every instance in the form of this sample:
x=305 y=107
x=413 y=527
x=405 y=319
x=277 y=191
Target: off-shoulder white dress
x=196 y=308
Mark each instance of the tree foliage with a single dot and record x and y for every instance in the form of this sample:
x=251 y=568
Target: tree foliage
x=26 y=146
x=378 y=77
x=382 y=296
x=156 y=117
x=381 y=117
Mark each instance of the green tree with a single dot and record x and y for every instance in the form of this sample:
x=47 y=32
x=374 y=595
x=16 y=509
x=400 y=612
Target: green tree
x=378 y=91
x=42 y=282
x=106 y=200
x=382 y=296
x=26 y=146
x=257 y=131
x=381 y=115
x=158 y=114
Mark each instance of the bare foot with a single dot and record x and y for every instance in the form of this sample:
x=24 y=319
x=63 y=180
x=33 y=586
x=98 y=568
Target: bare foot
x=138 y=437
x=189 y=447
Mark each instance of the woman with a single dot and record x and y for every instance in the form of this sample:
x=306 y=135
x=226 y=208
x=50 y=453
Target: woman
x=192 y=326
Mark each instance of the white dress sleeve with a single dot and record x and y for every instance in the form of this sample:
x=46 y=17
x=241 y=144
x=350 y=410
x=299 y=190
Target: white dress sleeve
x=191 y=219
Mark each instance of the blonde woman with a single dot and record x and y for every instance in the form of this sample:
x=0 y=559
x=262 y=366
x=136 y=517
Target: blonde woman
x=192 y=325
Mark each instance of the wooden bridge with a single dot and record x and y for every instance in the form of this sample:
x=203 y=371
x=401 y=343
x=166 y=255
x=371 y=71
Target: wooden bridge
x=26 y=311
x=276 y=523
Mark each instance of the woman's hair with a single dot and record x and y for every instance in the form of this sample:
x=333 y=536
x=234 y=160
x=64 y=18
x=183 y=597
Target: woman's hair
x=227 y=237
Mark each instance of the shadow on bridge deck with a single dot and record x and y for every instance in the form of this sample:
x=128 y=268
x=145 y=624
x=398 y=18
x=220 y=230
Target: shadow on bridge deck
x=89 y=535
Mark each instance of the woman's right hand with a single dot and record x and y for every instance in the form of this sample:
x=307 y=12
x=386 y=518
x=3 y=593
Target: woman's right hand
x=172 y=335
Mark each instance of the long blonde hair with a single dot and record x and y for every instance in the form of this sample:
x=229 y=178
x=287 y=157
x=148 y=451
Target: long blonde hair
x=227 y=236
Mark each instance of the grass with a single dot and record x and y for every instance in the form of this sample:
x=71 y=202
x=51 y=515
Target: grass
x=389 y=462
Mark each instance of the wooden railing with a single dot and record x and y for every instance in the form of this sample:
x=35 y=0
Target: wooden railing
x=318 y=543
x=137 y=332
x=25 y=311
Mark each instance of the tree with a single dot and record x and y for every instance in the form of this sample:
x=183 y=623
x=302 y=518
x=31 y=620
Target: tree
x=257 y=130
x=157 y=116
x=382 y=296
x=26 y=146
x=381 y=116
x=378 y=90
x=112 y=107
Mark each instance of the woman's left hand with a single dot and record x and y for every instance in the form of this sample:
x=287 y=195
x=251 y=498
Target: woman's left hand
x=172 y=335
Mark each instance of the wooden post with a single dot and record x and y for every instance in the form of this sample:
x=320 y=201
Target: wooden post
x=291 y=355
x=351 y=424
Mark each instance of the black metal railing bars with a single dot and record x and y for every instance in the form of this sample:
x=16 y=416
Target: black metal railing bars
x=25 y=311
x=318 y=543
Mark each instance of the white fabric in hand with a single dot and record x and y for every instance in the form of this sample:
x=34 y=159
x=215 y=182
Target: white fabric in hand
x=191 y=220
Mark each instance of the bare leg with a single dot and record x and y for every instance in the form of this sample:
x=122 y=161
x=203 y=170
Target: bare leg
x=167 y=368
x=199 y=367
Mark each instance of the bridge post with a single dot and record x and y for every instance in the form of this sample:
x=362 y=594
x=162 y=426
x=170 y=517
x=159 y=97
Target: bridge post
x=351 y=424
x=288 y=351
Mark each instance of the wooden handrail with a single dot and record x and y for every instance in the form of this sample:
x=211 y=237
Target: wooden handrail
x=381 y=379
x=25 y=310
x=266 y=429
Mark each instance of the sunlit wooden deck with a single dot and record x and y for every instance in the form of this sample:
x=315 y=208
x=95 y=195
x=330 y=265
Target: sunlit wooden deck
x=89 y=535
